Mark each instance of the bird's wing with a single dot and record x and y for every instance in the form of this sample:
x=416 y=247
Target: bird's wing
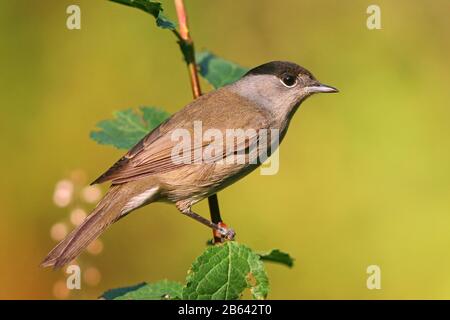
x=153 y=154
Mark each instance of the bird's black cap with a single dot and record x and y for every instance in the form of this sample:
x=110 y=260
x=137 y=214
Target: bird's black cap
x=279 y=69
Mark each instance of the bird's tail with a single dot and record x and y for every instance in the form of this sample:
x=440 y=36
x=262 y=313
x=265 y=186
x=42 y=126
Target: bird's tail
x=107 y=211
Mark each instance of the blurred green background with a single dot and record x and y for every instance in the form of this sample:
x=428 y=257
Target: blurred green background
x=364 y=175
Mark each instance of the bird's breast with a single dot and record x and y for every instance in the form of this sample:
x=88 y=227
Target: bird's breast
x=197 y=182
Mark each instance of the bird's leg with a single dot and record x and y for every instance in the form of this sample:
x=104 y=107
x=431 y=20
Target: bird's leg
x=220 y=228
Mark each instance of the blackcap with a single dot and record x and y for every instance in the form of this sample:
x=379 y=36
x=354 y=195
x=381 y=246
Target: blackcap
x=263 y=100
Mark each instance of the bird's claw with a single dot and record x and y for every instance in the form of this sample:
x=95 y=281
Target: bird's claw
x=225 y=233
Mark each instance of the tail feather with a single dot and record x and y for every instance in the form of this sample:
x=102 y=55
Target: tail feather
x=106 y=212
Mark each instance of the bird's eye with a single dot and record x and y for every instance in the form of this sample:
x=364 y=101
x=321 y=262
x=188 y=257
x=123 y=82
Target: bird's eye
x=289 y=80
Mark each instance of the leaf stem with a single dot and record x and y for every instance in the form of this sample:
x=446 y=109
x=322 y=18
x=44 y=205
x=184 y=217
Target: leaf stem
x=187 y=43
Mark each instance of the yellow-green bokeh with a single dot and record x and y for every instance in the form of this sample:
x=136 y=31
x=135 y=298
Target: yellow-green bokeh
x=364 y=176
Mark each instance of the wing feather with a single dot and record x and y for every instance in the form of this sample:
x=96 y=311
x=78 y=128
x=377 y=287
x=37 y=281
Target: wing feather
x=153 y=154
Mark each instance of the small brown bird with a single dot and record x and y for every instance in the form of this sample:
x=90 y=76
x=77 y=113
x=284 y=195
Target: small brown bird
x=264 y=98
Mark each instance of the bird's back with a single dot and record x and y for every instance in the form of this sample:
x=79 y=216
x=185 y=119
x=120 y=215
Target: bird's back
x=153 y=155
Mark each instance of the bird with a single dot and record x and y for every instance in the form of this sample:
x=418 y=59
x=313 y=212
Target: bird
x=264 y=98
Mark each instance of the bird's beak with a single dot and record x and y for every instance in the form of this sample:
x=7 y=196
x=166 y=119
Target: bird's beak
x=322 y=88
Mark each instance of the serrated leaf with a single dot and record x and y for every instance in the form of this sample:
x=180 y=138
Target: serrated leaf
x=224 y=271
x=277 y=256
x=115 y=293
x=152 y=7
x=161 y=290
x=217 y=71
x=153 y=117
x=128 y=127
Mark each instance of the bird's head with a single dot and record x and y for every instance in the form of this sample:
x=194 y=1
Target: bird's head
x=280 y=86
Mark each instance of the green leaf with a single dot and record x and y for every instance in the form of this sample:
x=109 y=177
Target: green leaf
x=115 y=293
x=277 y=256
x=128 y=127
x=153 y=117
x=153 y=8
x=217 y=71
x=224 y=271
x=161 y=290
x=165 y=23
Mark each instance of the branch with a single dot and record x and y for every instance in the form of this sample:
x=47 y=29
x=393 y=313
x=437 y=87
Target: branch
x=187 y=46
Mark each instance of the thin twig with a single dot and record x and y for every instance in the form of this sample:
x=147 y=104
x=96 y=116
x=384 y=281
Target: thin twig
x=184 y=36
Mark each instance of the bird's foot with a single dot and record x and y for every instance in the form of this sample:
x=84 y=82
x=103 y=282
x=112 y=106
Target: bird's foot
x=224 y=232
